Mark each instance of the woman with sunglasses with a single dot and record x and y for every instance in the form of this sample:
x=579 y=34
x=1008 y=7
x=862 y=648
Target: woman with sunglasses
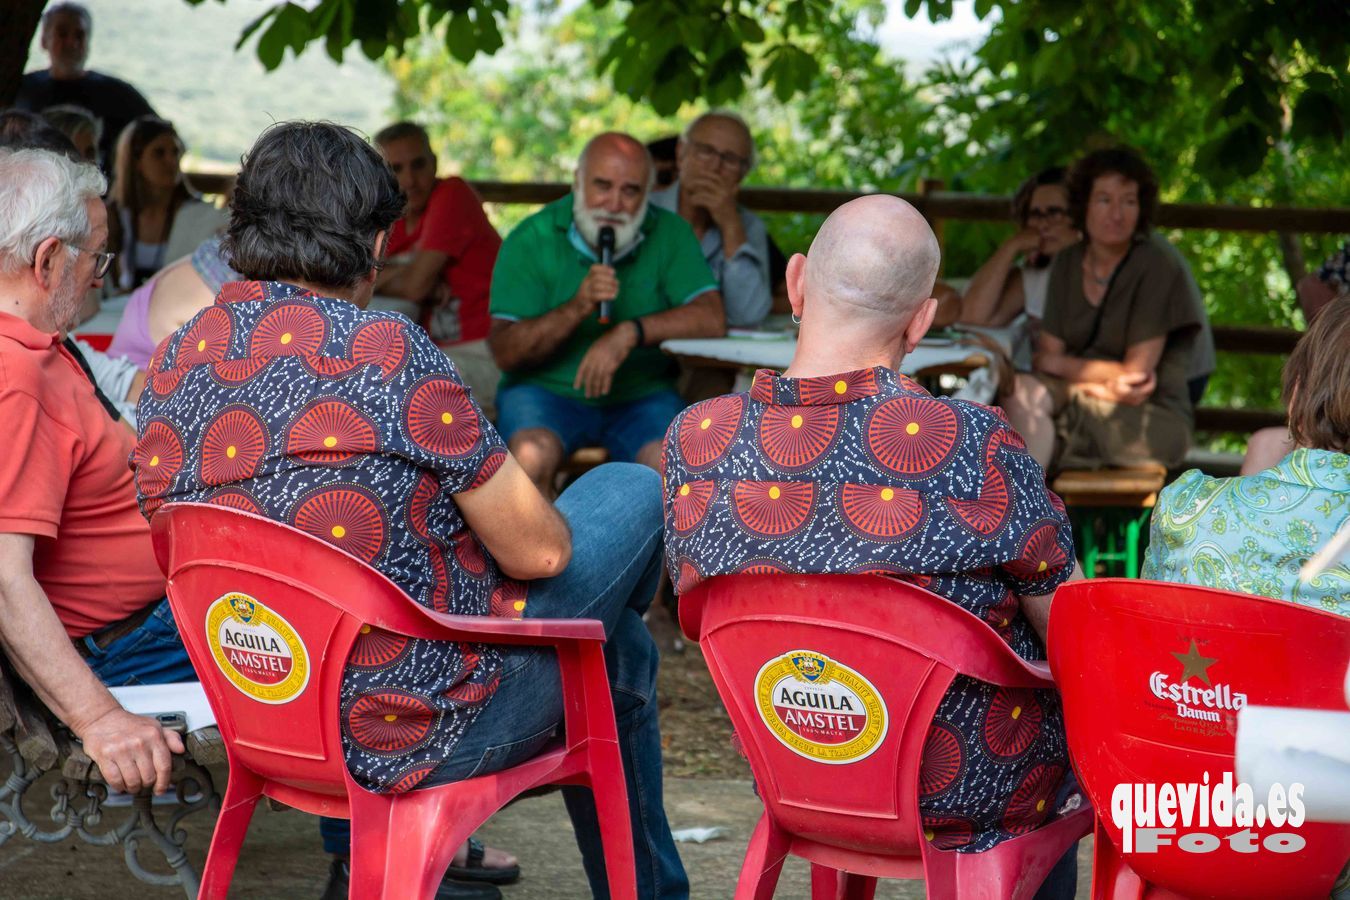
x=1124 y=332
x=154 y=216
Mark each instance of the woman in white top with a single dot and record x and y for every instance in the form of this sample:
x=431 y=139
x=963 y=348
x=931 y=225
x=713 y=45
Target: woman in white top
x=154 y=217
x=1003 y=287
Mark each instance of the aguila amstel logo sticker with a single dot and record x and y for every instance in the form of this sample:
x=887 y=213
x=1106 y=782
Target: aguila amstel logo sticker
x=258 y=650
x=820 y=708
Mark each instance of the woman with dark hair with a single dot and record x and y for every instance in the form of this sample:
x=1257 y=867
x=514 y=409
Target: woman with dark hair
x=154 y=216
x=1255 y=532
x=1003 y=287
x=1118 y=343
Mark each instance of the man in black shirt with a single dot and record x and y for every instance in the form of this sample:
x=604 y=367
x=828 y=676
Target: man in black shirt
x=65 y=38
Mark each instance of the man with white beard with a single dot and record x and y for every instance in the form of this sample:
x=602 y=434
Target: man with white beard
x=81 y=596
x=571 y=378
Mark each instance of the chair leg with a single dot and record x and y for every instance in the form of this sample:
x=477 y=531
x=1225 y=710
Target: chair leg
x=853 y=886
x=1112 y=877
x=616 y=819
x=402 y=844
x=763 y=862
x=824 y=882
x=236 y=810
x=835 y=884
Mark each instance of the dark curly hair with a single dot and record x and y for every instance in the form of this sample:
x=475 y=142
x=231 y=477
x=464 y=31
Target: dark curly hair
x=1021 y=201
x=310 y=198
x=1122 y=161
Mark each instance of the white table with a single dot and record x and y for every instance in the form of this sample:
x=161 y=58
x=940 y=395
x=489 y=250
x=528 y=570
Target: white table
x=935 y=356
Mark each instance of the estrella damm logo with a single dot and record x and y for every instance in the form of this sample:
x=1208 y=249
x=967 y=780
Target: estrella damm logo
x=256 y=649
x=819 y=708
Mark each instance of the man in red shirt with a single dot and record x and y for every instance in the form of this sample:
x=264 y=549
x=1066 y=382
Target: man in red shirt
x=81 y=596
x=441 y=255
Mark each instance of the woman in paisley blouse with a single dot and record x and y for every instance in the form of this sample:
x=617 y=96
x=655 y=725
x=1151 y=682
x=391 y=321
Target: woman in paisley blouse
x=1254 y=533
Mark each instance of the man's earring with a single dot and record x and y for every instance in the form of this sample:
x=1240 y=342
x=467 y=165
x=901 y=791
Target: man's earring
x=796 y=319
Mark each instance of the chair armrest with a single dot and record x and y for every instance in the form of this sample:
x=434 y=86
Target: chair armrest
x=494 y=629
x=1042 y=669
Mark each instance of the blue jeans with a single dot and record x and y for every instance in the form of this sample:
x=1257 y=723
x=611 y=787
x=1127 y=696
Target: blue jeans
x=614 y=512
x=621 y=428
x=152 y=654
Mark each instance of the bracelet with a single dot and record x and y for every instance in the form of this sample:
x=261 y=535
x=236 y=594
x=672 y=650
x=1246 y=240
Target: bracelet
x=642 y=334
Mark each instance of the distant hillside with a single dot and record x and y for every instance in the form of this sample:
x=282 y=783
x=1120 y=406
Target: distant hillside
x=183 y=59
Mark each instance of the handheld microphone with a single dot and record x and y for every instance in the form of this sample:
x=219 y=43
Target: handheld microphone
x=606 y=259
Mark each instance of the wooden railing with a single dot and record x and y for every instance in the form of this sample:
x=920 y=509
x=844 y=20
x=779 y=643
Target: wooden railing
x=938 y=205
x=934 y=205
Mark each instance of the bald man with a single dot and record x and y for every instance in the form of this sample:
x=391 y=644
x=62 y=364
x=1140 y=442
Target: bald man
x=841 y=464
x=713 y=156
x=573 y=377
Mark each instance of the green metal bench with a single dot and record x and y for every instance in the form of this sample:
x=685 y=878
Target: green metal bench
x=1110 y=511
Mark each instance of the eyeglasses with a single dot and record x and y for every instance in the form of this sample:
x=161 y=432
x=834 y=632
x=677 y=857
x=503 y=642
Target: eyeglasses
x=706 y=153
x=1049 y=214
x=103 y=259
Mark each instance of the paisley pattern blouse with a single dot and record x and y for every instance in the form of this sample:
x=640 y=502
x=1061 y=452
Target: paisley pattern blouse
x=1253 y=534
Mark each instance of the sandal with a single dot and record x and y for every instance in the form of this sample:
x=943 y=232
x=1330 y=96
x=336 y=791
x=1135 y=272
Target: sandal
x=474 y=870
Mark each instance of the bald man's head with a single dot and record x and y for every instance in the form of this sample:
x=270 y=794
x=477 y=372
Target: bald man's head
x=875 y=256
x=620 y=148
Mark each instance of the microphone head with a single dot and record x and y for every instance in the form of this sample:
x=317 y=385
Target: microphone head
x=606 y=238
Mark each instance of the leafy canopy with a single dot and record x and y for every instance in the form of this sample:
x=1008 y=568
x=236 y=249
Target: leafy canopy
x=1267 y=69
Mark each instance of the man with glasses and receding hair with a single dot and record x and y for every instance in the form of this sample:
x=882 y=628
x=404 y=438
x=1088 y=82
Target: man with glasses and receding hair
x=714 y=154
x=81 y=596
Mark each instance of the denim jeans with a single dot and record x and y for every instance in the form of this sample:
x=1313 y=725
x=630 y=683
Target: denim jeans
x=614 y=513
x=152 y=654
x=621 y=428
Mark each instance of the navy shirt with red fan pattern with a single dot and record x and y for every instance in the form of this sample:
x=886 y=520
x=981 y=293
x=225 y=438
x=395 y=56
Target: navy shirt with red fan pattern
x=353 y=426
x=865 y=472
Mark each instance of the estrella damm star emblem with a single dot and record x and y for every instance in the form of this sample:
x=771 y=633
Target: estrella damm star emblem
x=1193 y=664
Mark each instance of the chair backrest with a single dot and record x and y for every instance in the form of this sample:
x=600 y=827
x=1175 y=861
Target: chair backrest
x=831 y=682
x=269 y=615
x=1152 y=676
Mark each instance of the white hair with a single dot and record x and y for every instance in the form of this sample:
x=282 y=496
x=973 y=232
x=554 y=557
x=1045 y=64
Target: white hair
x=43 y=195
x=729 y=116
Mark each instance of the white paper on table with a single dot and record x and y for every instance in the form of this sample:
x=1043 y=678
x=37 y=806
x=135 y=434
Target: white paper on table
x=1310 y=747
x=186 y=697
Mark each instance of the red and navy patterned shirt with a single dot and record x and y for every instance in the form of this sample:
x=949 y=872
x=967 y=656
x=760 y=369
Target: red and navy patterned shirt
x=352 y=426
x=865 y=472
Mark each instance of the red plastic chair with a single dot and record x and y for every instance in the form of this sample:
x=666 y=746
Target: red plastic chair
x=282 y=736
x=892 y=650
x=1112 y=643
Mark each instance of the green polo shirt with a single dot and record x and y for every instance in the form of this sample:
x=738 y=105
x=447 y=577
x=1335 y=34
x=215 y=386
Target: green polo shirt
x=542 y=264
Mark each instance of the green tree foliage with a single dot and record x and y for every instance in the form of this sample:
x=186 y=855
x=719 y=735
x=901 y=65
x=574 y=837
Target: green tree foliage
x=980 y=124
x=1264 y=68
